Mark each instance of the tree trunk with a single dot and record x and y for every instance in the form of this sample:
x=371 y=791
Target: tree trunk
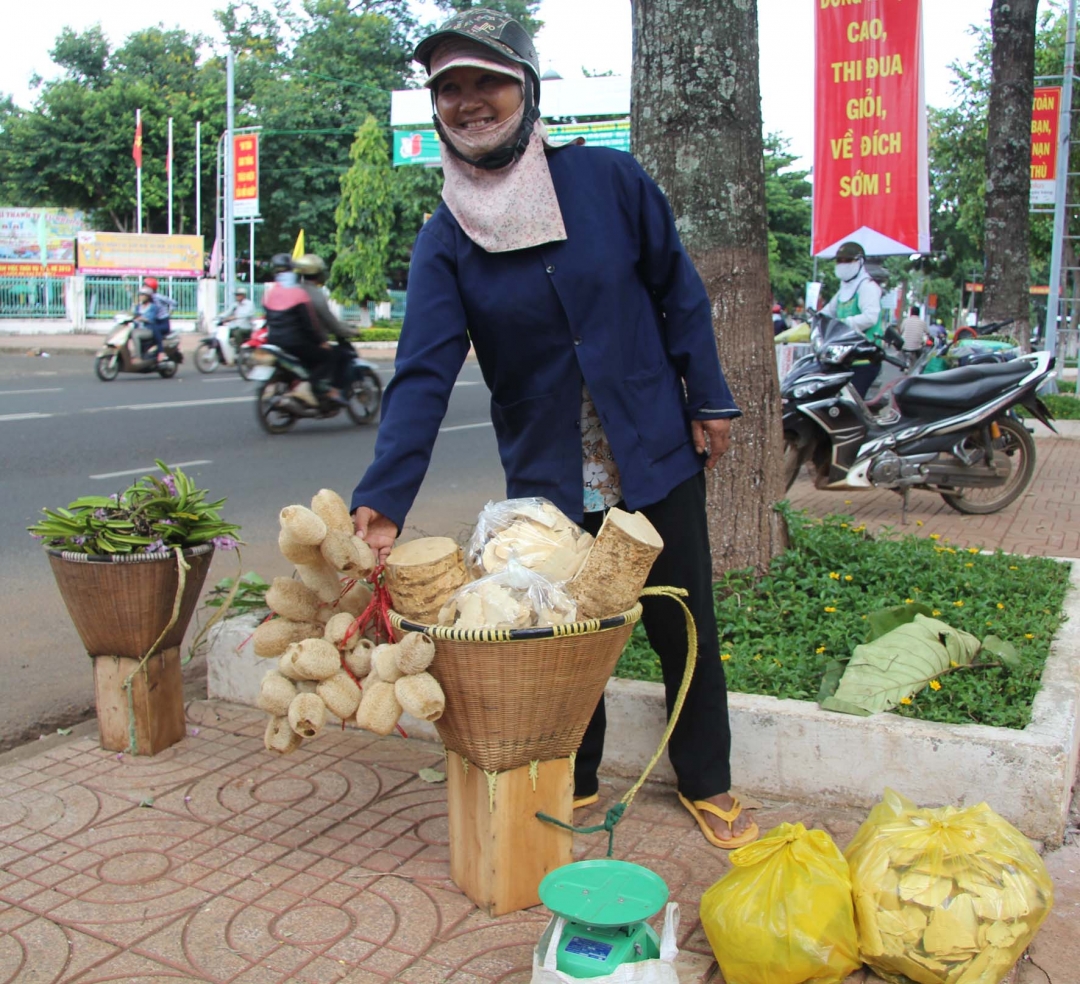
x=1008 y=155
x=696 y=128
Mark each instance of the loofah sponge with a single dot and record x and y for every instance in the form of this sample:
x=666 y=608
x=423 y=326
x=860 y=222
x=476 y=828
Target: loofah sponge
x=307 y=715
x=384 y=660
x=293 y=600
x=331 y=509
x=421 y=695
x=313 y=659
x=359 y=659
x=379 y=709
x=415 y=653
x=279 y=737
x=275 y=694
x=274 y=637
x=341 y=695
x=303 y=525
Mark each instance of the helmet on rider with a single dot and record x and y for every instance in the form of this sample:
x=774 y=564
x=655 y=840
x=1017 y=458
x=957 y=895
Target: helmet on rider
x=151 y=282
x=482 y=38
x=850 y=259
x=241 y=292
x=311 y=267
x=281 y=262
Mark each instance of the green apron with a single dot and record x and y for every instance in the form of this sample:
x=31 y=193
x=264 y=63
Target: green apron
x=850 y=307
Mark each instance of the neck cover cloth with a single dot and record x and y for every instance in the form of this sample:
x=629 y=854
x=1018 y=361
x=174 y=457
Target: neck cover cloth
x=507 y=208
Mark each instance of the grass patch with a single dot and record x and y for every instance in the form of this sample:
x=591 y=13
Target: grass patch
x=777 y=633
x=377 y=335
x=1061 y=405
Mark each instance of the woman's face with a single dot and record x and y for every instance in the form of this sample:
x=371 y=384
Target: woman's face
x=470 y=98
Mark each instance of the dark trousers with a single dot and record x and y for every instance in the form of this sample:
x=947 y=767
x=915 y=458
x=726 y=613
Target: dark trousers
x=317 y=360
x=342 y=355
x=864 y=377
x=700 y=747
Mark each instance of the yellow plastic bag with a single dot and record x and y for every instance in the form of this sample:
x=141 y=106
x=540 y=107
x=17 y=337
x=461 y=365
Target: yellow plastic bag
x=944 y=896
x=783 y=914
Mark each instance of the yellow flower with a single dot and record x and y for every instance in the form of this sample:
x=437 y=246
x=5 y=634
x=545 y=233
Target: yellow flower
x=1029 y=635
x=777 y=662
x=936 y=612
x=935 y=684
x=905 y=700
x=969 y=565
x=859 y=528
x=935 y=536
x=757 y=655
x=834 y=575
x=909 y=601
x=973 y=550
x=847 y=502
x=958 y=604
x=1014 y=568
x=953 y=663
x=1000 y=605
x=843 y=526
x=830 y=608
x=848 y=577
x=724 y=657
x=918 y=522
x=819 y=650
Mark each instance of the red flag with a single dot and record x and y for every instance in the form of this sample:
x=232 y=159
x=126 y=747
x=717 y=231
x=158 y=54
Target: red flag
x=136 y=148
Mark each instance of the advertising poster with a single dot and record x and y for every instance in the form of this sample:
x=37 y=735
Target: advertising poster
x=870 y=170
x=1045 y=117
x=131 y=254
x=246 y=170
x=28 y=234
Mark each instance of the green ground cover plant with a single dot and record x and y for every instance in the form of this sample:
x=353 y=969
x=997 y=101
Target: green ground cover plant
x=779 y=632
x=377 y=335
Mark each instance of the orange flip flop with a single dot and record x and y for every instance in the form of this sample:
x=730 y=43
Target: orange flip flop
x=698 y=807
x=580 y=802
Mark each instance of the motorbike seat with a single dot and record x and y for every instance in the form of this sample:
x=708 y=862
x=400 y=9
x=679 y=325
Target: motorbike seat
x=956 y=389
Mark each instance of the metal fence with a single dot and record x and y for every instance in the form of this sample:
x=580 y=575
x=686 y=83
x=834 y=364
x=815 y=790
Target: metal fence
x=1068 y=346
x=353 y=312
x=107 y=297
x=32 y=297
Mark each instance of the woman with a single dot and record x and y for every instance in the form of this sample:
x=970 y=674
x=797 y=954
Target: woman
x=562 y=268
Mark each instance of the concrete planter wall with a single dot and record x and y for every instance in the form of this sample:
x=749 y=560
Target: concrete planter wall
x=793 y=750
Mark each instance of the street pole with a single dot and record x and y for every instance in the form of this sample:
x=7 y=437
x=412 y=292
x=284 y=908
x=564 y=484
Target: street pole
x=1061 y=185
x=251 y=257
x=230 y=181
x=198 y=177
x=168 y=170
x=138 y=173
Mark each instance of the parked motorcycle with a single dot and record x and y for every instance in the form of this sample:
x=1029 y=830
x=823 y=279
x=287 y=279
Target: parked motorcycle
x=953 y=432
x=285 y=395
x=125 y=348
x=226 y=347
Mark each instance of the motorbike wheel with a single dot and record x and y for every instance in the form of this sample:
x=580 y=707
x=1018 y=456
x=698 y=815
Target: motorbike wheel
x=245 y=363
x=207 y=358
x=794 y=458
x=271 y=419
x=365 y=397
x=1019 y=446
x=107 y=367
x=166 y=370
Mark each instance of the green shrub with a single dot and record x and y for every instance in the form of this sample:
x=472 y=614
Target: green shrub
x=778 y=632
x=377 y=335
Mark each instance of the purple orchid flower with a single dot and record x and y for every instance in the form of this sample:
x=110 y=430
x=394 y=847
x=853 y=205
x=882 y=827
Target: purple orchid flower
x=169 y=482
x=158 y=546
x=225 y=542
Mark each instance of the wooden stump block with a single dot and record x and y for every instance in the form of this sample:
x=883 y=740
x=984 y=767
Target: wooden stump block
x=499 y=850
x=156 y=707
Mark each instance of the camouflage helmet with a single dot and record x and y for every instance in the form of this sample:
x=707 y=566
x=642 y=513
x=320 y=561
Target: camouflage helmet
x=310 y=265
x=850 y=251
x=494 y=30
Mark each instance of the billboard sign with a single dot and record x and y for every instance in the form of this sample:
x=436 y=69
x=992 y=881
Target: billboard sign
x=29 y=234
x=246 y=176
x=1045 y=117
x=422 y=146
x=126 y=253
x=870 y=170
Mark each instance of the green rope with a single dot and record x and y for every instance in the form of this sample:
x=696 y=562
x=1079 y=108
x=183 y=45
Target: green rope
x=615 y=814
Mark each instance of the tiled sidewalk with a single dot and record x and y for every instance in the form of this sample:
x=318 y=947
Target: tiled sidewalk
x=217 y=862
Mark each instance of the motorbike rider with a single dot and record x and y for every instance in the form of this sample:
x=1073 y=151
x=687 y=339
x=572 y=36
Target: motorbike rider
x=157 y=319
x=293 y=325
x=311 y=269
x=241 y=313
x=145 y=316
x=858 y=304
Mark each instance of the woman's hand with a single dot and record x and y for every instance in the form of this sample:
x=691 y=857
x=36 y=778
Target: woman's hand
x=711 y=437
x=376 y=530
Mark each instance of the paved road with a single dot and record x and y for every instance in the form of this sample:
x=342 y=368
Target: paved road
x=63 y=433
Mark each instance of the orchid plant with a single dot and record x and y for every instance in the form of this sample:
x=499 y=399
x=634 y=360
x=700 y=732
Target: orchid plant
x=153 y=516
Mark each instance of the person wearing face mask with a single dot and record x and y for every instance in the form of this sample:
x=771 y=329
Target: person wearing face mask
x=858 y=303
x=563 y=269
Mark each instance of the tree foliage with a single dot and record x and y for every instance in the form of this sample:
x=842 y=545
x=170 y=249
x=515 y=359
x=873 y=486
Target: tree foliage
x=365 y=215
x=789 y=208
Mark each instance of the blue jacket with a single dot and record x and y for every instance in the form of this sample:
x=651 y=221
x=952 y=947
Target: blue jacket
x=618 y=304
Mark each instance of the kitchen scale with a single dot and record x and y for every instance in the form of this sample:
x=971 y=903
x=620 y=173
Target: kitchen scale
x=605 y=904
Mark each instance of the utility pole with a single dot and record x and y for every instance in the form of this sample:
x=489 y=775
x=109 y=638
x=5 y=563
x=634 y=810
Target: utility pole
x=198 y=177
x=230 y=181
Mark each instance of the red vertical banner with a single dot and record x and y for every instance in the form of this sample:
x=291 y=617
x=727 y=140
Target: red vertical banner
x=870 y=170
x=1045 y=133
x=246 y=175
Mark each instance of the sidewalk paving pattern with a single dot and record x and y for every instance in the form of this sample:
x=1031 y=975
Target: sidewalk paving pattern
x=216 y=861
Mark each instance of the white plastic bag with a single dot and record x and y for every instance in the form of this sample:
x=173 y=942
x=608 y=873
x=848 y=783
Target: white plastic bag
x=514 y=598
x=661 y=971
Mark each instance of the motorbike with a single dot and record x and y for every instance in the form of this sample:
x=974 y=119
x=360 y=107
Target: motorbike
x=225 y=347
x=954 y=432
x=285 y=396
x=125 y=348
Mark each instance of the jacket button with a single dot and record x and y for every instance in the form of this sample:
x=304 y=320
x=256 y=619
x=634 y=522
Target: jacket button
x=551 y=269
x=577 y=339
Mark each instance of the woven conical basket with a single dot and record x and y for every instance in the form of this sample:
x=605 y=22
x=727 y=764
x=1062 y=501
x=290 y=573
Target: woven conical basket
x=515 y=696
